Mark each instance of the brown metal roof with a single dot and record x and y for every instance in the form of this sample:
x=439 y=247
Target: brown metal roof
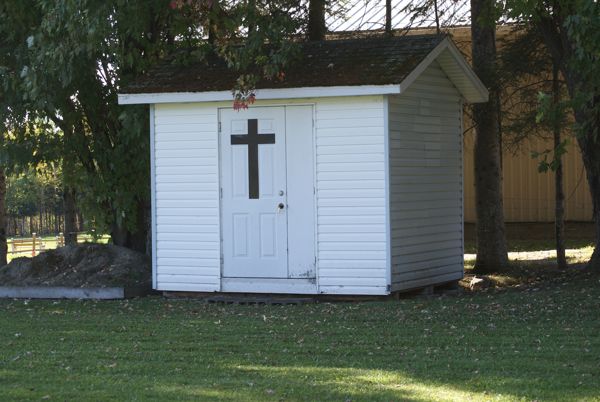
x=344 y=62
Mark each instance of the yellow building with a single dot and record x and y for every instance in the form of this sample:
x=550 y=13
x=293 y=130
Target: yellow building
x=528 y=194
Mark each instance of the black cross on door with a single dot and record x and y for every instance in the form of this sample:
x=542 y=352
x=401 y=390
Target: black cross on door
x=252 y=139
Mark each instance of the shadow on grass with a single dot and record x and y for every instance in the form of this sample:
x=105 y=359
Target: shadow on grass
x=268 y=382
x=533 y=268
x=537 y=236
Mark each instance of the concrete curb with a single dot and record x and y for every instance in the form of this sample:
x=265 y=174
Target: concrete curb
x=59 y=292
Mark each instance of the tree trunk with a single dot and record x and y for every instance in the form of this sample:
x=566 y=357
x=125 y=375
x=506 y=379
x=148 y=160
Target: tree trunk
x=437 y=16
x=70 y=217
x=316 y=20
x=590 y=150
x=492 y=253
x=251 y=17
x=41 y=212
x=388 y=17
x=559 y=201
x=136 y=240
x=3 y=245
x=213 y=21
x=589 y=144
x=562 y=48
x=80 y=227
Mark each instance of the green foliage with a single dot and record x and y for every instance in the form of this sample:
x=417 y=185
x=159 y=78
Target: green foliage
x=551 y=115
x=256 y=38
x=63 y=62
x=22 y=195
x=571 y=33
x=28 y=190
x=547 y=164
x=522 y=79
x=583 y=28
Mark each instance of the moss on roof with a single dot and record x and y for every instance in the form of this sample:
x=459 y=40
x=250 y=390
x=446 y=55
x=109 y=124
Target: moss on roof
x=341 y=62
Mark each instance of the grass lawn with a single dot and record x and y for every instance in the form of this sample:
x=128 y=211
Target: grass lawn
x=534 y=344
x=536 y=339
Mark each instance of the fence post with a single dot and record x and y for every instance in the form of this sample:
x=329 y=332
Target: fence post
x=33 y=245
x=60 y=240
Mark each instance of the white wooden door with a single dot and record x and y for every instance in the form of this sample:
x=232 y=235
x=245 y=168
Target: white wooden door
x=254 y=193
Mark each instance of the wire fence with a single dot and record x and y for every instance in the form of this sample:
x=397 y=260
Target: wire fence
x=368 y=15
x=34 y=245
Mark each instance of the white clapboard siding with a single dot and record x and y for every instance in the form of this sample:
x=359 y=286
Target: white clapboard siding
x=351 y=206
x=425 y=151
x=187 y=198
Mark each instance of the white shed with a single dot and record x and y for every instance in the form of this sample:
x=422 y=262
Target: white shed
x=345 y=178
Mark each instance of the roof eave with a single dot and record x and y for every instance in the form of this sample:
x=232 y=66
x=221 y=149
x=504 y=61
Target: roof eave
x=261 y=94
x=473 y=90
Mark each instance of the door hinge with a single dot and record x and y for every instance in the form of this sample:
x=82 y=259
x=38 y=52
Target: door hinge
x=219 y=126
x=221 y=192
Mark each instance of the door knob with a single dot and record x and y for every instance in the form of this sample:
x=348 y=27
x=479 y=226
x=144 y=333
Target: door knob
x=281 y=205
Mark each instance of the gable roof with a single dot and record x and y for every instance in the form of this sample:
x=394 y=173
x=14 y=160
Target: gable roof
x=343 y=67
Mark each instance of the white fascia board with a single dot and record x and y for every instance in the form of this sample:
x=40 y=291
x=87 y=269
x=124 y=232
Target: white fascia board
x=468 y=71
x=262 y=94
x=447 y=44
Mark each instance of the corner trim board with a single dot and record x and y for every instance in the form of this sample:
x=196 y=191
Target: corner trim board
x=388 y=221
x=153 y=197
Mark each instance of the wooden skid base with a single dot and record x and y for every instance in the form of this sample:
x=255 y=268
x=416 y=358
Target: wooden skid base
x=259 y=300
x=449 y=288
x=444 y=289
x=241 y=298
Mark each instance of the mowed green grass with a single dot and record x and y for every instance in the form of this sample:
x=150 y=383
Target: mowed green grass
x=535 y=344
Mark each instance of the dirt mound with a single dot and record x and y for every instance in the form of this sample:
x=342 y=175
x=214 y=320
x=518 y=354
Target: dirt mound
x=84 y=265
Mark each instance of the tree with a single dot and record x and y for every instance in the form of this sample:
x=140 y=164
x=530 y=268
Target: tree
x=3 y=245
x=532 y=104
x=259 y=40
x=316 y=20
x=559 y=204
x=492 y=255
x=65 y=61
x=571 y=33
x=388 y=17
x=22 y=194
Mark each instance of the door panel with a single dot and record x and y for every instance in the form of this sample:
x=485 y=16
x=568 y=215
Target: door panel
x=253 y=180
x=268 y=235
x=300 y=195
x=240 y=235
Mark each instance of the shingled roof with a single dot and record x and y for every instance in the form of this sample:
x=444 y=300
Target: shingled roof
x=345 y=62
